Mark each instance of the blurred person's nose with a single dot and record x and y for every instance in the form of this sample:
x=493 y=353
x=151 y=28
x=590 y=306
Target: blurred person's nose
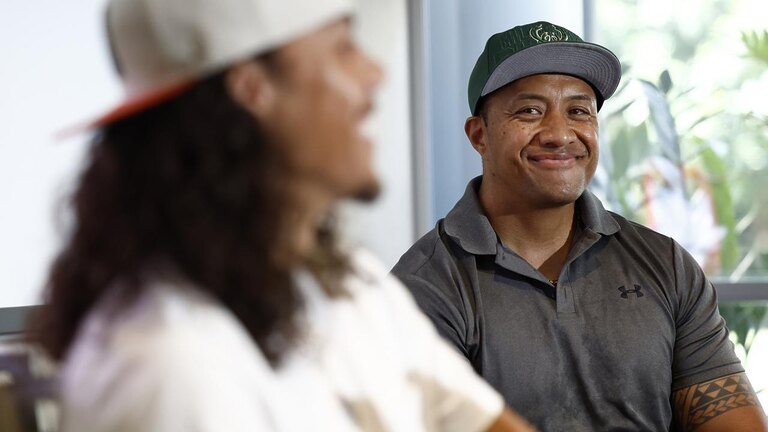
x=373 y=73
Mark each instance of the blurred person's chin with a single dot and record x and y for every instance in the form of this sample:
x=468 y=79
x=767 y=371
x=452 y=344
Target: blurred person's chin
x=362 y=180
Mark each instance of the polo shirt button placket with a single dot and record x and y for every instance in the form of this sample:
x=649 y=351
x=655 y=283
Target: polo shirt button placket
x=564 y=297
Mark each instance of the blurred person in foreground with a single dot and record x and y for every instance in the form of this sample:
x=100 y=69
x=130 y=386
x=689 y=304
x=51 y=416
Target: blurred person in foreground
x=583 y=320
x=201 y=288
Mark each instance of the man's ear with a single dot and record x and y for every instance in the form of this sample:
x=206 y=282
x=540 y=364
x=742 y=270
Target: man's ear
x=249 y=84
x=474 y=127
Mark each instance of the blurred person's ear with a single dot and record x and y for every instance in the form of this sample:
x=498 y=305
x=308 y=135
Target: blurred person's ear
x=249 y=84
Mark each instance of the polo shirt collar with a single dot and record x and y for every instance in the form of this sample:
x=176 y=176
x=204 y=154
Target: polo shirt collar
x=593 y=215
x=467 y=222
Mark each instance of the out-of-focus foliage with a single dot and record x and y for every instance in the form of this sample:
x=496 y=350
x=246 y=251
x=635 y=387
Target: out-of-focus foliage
x=757 y=44
x=684 y=142
x=744 y=320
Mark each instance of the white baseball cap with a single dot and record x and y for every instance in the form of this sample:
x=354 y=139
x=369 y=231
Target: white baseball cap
x=162 y=47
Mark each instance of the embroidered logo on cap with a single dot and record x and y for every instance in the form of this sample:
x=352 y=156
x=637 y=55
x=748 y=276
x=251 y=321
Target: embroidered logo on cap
x=546 y=32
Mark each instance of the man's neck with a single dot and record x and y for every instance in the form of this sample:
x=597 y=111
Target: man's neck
x=541 y=236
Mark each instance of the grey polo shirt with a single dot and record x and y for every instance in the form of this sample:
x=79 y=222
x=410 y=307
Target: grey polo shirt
x=631 y=319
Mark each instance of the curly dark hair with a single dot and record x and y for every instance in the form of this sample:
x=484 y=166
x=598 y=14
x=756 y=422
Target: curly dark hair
x=193 y=184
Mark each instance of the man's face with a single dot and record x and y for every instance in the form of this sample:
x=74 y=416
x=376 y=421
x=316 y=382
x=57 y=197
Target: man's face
x=322 y=91
x=538 y=141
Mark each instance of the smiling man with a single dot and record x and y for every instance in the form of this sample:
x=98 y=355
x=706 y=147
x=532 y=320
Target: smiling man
x=583 y=320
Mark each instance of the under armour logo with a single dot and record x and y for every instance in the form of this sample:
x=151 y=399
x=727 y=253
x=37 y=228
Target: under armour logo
x=625 y=292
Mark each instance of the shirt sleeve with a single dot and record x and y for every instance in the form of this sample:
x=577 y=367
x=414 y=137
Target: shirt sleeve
x=703 y=350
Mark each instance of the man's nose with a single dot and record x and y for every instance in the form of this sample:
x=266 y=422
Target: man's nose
x=556 y=130
x=373 y=73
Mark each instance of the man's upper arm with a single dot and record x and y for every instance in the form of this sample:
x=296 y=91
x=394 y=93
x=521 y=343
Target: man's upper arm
x=712 y=392
x=724 y=404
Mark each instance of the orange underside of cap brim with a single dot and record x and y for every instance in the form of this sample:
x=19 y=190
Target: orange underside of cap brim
x=128 y=108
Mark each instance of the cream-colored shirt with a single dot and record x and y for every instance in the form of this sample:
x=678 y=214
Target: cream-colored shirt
x=177 y=360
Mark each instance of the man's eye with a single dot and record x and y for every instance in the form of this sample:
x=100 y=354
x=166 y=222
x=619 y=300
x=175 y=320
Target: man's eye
x=529 y=110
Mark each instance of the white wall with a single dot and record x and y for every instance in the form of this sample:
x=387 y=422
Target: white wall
x=55 y=72
x=386 y=226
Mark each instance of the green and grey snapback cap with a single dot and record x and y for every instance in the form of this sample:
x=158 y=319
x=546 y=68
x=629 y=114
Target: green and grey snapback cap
x=540 y=48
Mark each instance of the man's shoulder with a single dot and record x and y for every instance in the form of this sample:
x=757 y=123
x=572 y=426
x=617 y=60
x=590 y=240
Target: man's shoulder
x=635 y=231
x=608 y=223
x=646 y=245
x=427 y=251
x=436 y=258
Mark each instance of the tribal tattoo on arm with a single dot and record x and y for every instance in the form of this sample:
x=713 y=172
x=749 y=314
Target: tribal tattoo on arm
x=700 y=403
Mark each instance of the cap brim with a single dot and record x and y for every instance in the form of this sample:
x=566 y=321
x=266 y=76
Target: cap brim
x=127 y=108
x=592 y=63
